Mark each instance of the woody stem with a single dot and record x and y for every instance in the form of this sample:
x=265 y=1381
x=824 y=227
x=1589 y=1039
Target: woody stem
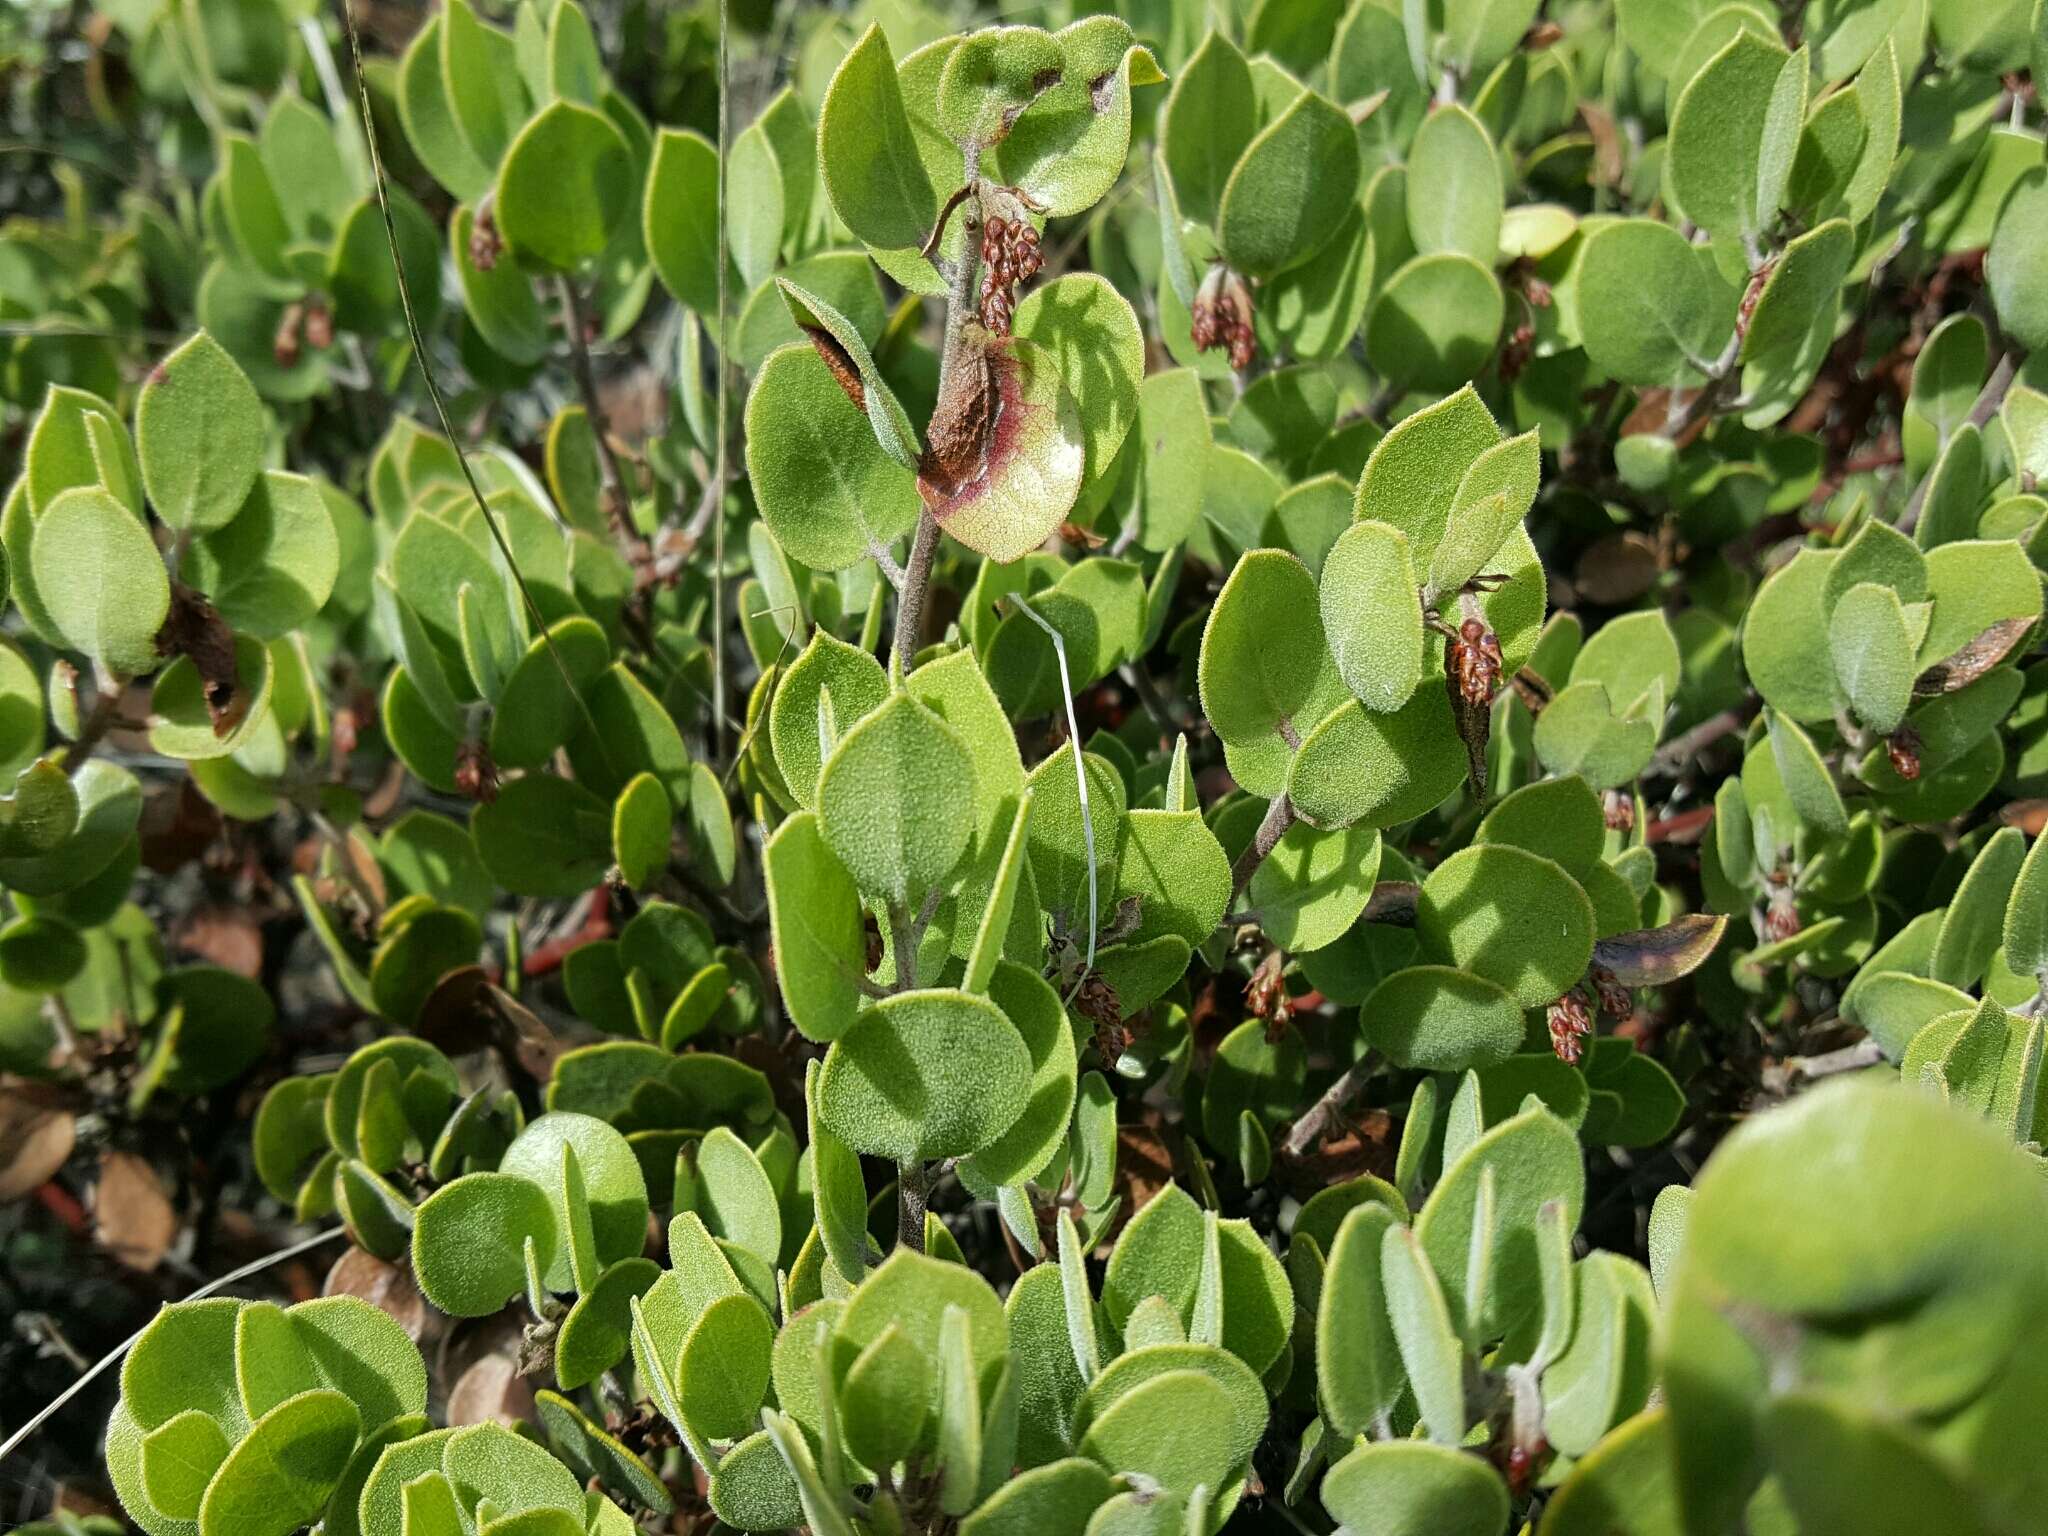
x=106 y=709
x=1279 y=817
x=1322 y=1114
x=917 y=575
x=913 y=1184
x=960 y=308
x=913 y=1195
x=618 y=507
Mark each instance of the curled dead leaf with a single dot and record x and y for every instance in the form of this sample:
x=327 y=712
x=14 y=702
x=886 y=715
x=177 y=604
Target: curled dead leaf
x=382 y=800
x=1365 y=106
x=1650 y=957
x=1144 y=1166
x=195 y=628
x=1533 y=689
x=1957 y=671
x=1608 y=157
x=457 y=1015
x=1360 y=1142
x=1393 y=902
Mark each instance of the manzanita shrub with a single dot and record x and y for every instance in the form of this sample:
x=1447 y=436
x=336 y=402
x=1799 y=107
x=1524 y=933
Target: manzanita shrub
x=1108 y=778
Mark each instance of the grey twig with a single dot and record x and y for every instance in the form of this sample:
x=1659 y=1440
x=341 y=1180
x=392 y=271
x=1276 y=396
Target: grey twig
x=1338 y=1097
x=1279 y=817
x=1989 y=399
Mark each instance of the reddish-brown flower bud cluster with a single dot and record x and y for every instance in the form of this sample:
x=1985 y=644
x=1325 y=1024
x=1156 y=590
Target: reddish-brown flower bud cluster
x=309 y=323
x=486 y=245
x=1522 y=1462
x=1571 y=1020
x=1098 y=1002
x=284 y=346
x=1222 y=317
x=356 y=714
x=1010 y=256
x=1781 y=914
x=319 y=324
x=1516 y=351
x=1616 y=1000
x=1752 y=294
x=1475 y=663
x=1619 y=809
x=1265 y=995
x=1902 y=750
x=476 y=775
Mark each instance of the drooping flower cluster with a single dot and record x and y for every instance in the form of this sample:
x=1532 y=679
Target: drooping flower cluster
x=1475 y=661
x=1223 y=317
x=1571 y=1020
x=1010 y=257
x=486 y=245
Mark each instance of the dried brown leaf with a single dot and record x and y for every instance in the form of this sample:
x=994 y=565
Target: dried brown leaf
x=1956 y=672
x=536 y=1046
x=491 y=1392
x=1617 y=569
x=1393 y=901
x=457 y=1015
x=388 y=1287
x=133 y=1218
x=35 y=1140
x=178 y=825
x=1650 y=957
x=2030 y=816
x=229 y=937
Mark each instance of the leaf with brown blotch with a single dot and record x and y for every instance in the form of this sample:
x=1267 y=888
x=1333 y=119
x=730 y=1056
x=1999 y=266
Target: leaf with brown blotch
x=1004 y=464
x=133 y=1218
x=839 y=363
x=1650 y=957
x=1953 y=673
x=35 y=1141
x=845 y=353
